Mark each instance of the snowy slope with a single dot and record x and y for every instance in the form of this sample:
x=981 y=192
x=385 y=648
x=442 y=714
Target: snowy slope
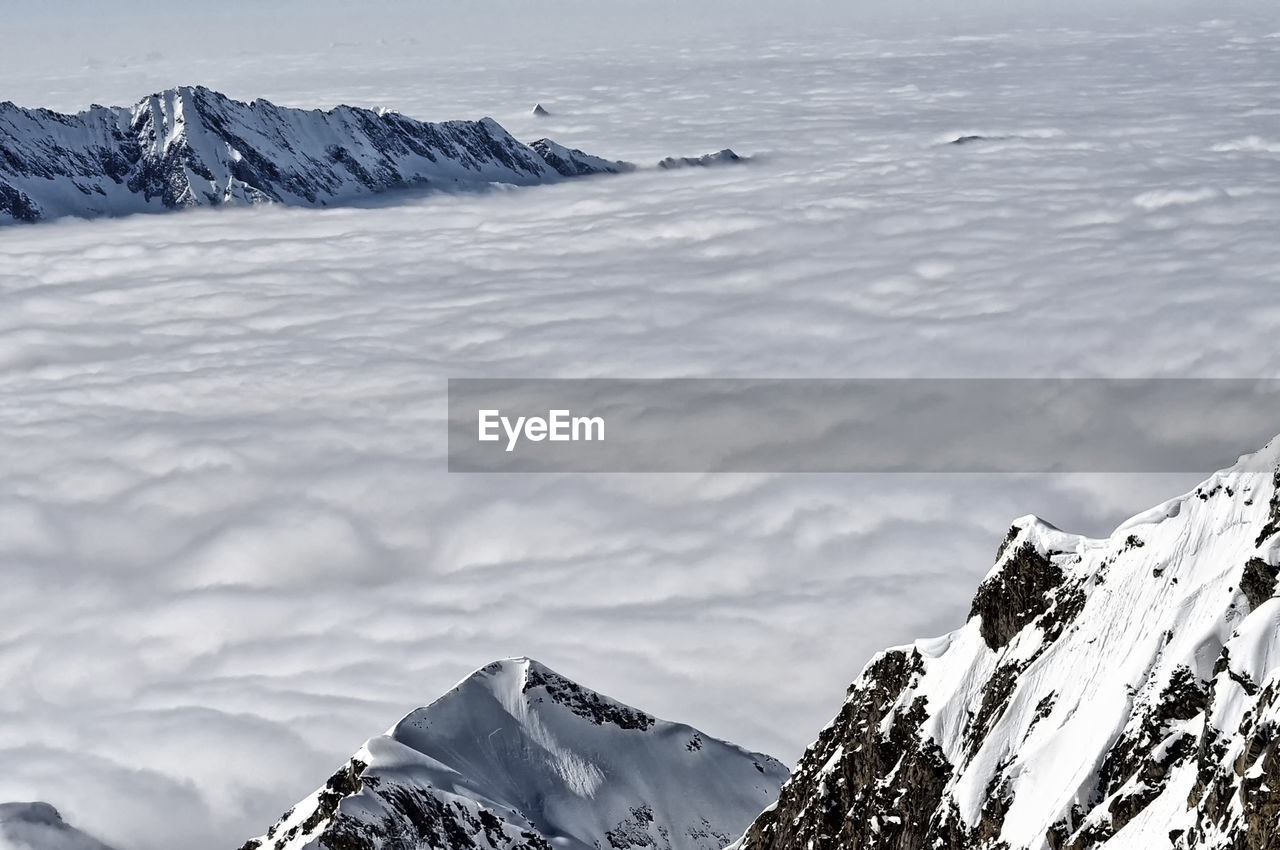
x=1120 y=693
x=517 y=756
x=191 y=146
x=570 y=162
x=39 y=826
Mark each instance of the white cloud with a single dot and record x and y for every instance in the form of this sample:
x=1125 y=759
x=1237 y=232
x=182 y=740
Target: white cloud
x=229 y=549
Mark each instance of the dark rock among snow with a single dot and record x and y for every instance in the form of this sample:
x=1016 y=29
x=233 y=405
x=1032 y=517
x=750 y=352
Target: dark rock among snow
x=1105 y=694
x=191 y=146
x=968 y=140
x=570 y=162
x=518 y=757
x=723 y=157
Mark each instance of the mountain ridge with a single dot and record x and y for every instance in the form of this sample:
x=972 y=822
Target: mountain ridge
x=518 y=757
x=1119 y=693
x=191 y=146
x=39 y=826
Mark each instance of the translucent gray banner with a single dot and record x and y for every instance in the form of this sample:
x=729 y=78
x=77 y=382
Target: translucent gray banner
x=858 y=425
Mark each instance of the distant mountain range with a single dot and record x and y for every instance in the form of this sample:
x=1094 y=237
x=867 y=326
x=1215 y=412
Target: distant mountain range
x=193 y=147
x=190 y=146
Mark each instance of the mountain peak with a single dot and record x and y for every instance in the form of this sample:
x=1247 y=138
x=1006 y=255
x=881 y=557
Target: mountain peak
x=722 y=157
x=41 y=813
x=516 y=693
x=513 y=673
x=518 y=757
x=1103 y=695
x=39 y=826
x=524 y=681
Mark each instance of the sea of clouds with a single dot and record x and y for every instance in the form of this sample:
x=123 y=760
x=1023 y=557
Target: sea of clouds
x=229 y=548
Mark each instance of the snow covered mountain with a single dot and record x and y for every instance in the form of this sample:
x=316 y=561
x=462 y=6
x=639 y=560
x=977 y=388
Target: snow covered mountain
x=1120 y=693
x=191 y=146
x=517 y=757
x=38 y=826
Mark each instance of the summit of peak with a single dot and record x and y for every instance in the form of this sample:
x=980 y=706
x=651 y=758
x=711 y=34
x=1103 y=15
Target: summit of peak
x=39 y=826
x=511 y=671
x=517 y=756
x=522 y=685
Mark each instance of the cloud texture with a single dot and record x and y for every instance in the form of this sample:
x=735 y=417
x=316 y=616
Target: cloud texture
x=230 y=551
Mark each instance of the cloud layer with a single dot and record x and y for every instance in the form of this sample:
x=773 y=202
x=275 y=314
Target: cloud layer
x=230 y=549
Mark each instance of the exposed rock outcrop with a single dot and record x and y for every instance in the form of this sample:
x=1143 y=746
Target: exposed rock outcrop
x=1113 y=694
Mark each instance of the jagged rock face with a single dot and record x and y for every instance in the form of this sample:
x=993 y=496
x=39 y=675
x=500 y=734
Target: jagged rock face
x=835 y=798
x=1021 y=591
x=724 y=157
x=191 y=146
x=39 y=826
x=518 y=757
x=571 y=162
x=1120 y=693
